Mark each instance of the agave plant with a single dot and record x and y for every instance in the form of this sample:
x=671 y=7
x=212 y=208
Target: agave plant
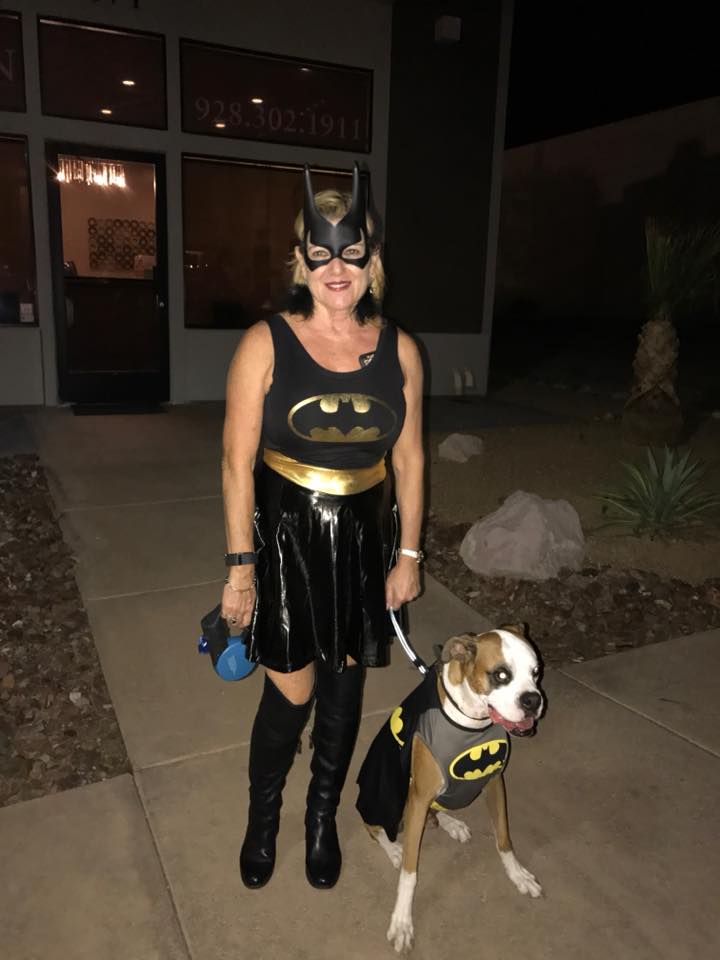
x=682 y=272
x=657 y=497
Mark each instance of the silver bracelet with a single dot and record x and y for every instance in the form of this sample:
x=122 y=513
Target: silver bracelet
x=239 y=589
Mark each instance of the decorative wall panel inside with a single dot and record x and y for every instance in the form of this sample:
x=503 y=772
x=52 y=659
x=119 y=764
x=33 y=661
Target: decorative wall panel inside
x=116 y=244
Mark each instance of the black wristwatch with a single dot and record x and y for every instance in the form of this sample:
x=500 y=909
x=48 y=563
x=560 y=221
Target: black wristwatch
x=238 y=559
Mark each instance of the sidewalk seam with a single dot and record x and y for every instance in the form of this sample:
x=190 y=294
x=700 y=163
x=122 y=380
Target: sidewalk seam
x=142 y=593
x=139 y=503
x=168 y=885
x=239 y=745
x=181 y=758
x=639 y=713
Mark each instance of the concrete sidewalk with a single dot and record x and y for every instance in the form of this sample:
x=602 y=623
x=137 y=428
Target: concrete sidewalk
x=613 y=804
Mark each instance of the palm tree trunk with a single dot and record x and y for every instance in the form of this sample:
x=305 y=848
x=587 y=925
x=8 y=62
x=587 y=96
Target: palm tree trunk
x=652 y=413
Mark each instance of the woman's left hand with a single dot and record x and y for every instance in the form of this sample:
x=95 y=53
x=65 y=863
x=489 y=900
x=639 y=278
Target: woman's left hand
x=403 y=583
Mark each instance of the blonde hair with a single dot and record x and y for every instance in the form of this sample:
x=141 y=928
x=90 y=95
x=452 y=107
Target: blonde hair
x=333 y=205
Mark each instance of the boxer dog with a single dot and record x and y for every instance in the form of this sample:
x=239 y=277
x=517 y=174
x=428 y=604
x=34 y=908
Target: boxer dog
x=446 y=742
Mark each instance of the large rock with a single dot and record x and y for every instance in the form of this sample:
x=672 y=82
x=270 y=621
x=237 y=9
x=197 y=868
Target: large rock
x=528 y=538
x=460 y=447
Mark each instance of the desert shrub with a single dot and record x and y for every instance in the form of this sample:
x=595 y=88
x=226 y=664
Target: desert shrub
x=657 y=497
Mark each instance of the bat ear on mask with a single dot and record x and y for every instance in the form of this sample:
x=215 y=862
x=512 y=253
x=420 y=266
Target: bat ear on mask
x=336 y=238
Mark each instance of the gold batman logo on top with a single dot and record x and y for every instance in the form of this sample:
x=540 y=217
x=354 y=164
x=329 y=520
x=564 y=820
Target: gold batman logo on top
x=342 y=418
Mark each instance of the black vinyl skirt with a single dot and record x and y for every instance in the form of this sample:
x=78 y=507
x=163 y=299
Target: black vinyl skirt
x=321 y=567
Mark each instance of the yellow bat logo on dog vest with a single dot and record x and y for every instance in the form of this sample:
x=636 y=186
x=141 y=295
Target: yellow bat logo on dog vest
x=396 y=724
x=480 y=761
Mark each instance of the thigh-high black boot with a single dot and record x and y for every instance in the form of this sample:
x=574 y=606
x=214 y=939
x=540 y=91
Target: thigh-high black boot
x=337 y=718
x=275 y=735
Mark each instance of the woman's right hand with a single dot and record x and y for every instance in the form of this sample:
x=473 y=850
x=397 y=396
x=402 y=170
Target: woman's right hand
x=237 y=605
x=249 y=379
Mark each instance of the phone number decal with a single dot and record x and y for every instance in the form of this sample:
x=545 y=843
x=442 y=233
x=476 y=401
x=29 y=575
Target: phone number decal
x=238 y=116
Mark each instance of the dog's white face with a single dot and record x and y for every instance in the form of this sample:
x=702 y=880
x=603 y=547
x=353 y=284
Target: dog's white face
x=495 y=675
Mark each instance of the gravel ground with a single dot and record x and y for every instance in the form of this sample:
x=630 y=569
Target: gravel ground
x=57 y=724
x=578 y=615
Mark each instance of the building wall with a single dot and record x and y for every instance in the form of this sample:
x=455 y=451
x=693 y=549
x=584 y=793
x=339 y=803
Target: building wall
x=574 y=207
x=352 y=32
x=447 y=117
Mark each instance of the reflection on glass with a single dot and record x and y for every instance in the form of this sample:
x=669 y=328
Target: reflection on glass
x=12 y=74
x=264 y=97
x=108 y=217
x=17 y=256
x=97 y=73
x=238 y=233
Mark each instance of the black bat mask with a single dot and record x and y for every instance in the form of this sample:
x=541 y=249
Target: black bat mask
x=335 y=237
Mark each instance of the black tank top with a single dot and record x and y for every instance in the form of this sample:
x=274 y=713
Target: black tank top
x=329 y=419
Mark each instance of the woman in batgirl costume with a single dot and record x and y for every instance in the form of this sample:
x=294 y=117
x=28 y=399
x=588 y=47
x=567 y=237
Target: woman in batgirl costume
x=320 y=542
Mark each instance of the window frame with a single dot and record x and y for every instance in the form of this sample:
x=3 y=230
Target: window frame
x=22 y=138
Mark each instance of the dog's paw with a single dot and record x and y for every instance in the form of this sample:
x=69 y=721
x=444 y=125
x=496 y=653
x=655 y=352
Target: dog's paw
x=400 y=933
x=522 y=878
x=456 y=828
x=527 y=883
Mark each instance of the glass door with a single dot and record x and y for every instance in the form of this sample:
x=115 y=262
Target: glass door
x=107 y=219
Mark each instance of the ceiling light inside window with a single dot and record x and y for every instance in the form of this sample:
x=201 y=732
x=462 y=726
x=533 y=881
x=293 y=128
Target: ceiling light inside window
x=128 y=83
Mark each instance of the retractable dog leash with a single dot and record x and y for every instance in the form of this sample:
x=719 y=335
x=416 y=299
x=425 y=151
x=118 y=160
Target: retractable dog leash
x=407 y=646
x=229 y=654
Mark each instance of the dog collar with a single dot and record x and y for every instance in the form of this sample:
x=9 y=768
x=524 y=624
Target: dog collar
x=457 y=706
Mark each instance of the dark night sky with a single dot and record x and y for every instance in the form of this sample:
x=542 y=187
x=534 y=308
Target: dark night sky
x=579 y=64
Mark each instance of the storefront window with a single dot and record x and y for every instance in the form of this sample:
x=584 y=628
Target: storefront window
x=12 y=73
x=17 y=254
x=102 y=73
x=255 y=96
x=238 y=234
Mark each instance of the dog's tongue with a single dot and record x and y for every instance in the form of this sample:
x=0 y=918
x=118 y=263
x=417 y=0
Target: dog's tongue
x=510 y=725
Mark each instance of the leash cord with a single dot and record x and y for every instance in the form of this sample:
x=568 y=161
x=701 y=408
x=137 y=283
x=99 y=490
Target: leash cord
x=407 y=646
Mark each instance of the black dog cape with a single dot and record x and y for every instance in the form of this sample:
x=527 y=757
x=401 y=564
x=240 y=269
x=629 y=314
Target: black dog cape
x=467 y=757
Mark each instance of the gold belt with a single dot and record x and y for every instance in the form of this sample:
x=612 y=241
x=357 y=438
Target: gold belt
x=324 y=479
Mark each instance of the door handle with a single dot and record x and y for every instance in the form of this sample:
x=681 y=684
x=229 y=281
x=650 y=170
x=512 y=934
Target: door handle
x=160 y=304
